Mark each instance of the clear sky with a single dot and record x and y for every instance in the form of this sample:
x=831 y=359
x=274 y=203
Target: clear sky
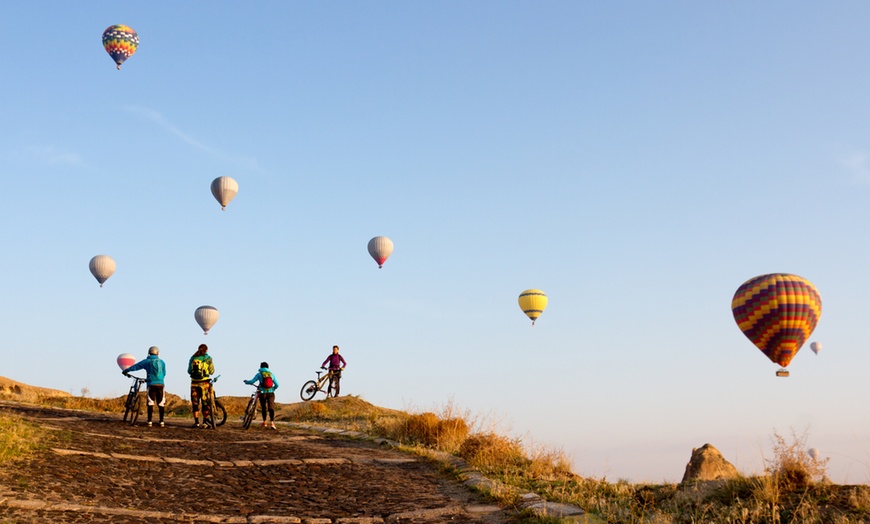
x=637 y=161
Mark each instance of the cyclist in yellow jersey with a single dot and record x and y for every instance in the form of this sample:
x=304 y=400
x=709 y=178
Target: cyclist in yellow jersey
x=200 y=368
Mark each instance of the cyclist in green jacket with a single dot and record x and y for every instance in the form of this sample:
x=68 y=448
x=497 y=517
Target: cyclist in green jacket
x=200 y=368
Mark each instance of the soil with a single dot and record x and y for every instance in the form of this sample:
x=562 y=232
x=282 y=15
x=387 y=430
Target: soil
x=95 y=468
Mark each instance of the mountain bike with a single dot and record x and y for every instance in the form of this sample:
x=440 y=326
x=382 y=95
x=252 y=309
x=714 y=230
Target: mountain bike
x=312 y=387
x=213 y=412
x=251 y=410
x=134 y=400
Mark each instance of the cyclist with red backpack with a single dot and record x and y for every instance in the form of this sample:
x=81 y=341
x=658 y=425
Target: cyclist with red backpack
x=267 y=384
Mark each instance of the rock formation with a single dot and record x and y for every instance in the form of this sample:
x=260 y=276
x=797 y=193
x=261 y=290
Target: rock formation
x=708 y=464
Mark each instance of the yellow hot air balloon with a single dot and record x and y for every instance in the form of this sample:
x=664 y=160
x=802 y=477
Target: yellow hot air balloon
x=533 y=302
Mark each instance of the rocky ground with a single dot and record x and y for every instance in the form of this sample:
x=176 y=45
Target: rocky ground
x=97 y=469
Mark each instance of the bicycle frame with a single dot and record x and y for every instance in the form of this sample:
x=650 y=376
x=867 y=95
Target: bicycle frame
x=210 y=406
x=134 y=400
x=251 y=410
x=312 y=387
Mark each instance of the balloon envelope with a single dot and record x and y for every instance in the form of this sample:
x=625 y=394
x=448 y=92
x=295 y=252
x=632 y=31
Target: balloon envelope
x=533 y=302
x=224 y=190
x=816 y=347
x=813 y=453
x=102 y=267
x=120 y=41
x=380 y=248
x=777 y=312
x=125 y=360
x=206 y=316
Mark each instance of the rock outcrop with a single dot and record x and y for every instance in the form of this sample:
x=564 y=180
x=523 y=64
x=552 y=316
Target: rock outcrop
x=708 y=464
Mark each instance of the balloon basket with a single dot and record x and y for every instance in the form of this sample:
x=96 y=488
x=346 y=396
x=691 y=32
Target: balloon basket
x=782 y=373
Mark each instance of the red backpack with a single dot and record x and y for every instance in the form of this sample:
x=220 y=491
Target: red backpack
x=268 y=382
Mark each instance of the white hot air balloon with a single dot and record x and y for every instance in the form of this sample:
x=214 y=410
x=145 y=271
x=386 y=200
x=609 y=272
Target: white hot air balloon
x=816 y=347
x=813 y=453
x=206 y=316
x=380 y=248
x=224 y=190
x=102 y=267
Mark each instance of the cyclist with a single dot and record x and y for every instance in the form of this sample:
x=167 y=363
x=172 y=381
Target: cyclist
x=267 y=384
x=200 y=368
x=155 y=371
x=336 y=366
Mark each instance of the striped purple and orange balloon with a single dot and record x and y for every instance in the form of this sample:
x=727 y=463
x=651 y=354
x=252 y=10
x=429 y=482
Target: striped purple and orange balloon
x=778 y=313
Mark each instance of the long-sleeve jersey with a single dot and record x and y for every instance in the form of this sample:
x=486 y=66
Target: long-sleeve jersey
x=154 y=367
x=335 y=360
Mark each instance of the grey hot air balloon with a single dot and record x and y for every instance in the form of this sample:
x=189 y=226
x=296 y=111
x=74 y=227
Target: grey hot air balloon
x=816 y=347
x=380 y=249
x=813 y=453
x=102 y=267
x=206 y=316
x=224 y=190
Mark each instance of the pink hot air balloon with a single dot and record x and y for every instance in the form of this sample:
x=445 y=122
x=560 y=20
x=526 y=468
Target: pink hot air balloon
x=125 y=360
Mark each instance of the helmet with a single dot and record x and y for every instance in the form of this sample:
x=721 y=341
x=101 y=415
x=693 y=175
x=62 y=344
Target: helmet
x=153 y=350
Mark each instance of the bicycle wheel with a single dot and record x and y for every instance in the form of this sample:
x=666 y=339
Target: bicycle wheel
x=220 y=413
x=128 y=405
x=134 y=412
x=309 y=389
x=208 y=412
x=250 y=412
x=330 y=389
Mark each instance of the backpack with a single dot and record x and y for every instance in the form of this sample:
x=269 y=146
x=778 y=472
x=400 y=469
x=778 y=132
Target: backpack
x=197 y=371
x=267 y=382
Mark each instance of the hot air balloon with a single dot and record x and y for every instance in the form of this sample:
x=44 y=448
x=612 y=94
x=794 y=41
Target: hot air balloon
x=224 y=190
x=120 y=41
x=813 y=453
x=206 y=316
x=778 y=313
x=533 y=302
x=102 y=267
x=125 y=360
x=816 y=347
x=380 y=248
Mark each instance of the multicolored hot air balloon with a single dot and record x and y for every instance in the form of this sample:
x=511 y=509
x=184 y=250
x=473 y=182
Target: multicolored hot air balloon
x=380 y=248
x=120 y=41
x=533 y=302
x=816 y=347
x=778 y=313
x=206 y=316
x=125 y=360
x=102 y=267
x=224 y=190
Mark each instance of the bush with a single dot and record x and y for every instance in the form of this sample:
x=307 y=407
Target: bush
x=492 y=452
x=791 y=467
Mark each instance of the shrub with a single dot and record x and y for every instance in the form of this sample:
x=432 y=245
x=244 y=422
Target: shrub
x=492 y=452
x=791 y=467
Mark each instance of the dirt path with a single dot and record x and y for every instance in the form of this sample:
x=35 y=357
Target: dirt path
x=100 y=470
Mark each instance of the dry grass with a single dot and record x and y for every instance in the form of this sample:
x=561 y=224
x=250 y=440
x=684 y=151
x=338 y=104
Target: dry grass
x=18 y=438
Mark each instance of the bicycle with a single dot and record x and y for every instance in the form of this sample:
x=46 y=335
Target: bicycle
x=134 y=400
x=251 y=410
x=312 y=387
x=211 y=406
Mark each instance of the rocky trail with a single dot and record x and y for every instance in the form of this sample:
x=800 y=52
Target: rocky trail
x=98 y=469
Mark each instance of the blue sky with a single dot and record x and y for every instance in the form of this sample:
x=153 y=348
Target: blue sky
x=637 y=162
